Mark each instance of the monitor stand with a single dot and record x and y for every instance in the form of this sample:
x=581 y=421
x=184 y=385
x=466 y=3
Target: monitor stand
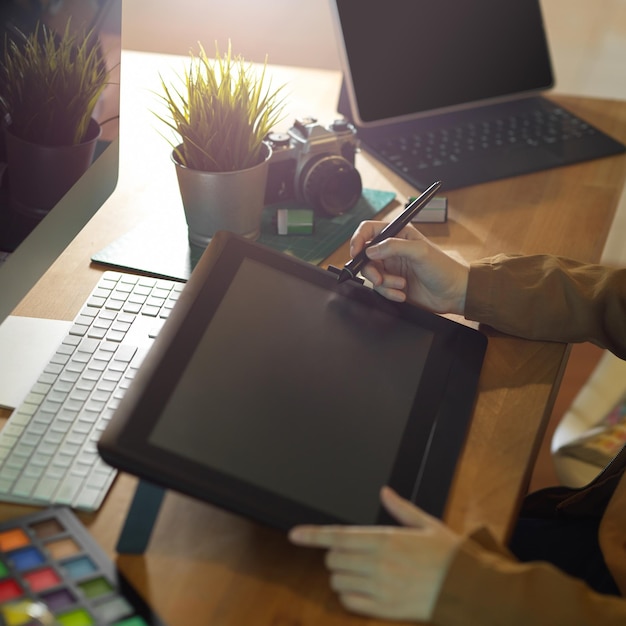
x=26 y=345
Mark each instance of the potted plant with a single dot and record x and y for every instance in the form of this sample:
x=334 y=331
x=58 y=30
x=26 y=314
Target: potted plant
x=50 y=84
x=220 y=113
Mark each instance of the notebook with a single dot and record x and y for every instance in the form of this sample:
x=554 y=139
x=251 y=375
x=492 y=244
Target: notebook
x=454 y=90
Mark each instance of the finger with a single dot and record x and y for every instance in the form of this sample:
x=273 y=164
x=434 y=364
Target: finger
x=360 y=603
x=380 y=278
x=349 y=561
x=373 y=273
x=343 y=537
x=399 y=247
x=344 y=583
x=391 y=281
x=404 y=511
x=364 y=233
x=368 y=229
x=392 y=294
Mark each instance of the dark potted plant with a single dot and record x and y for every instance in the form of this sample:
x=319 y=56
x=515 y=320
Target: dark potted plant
x=50 y=84
x=220 y=113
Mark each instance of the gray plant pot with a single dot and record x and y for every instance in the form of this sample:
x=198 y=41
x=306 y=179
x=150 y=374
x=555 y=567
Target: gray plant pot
x=39 y=176
x=231 y=201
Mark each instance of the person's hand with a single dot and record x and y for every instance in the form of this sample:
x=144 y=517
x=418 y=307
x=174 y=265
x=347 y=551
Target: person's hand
x=386 y=572
x=410 y=267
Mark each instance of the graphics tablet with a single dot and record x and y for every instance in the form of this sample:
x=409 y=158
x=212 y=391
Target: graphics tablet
x=279 y=394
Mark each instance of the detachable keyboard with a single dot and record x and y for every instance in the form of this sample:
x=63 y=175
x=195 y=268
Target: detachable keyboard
x=48 y=449
x=487 y=143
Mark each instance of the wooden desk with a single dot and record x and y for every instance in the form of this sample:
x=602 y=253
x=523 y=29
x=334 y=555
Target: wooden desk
x=206 y=566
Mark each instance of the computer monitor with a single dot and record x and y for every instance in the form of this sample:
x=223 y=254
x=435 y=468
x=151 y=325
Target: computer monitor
x=31 y=256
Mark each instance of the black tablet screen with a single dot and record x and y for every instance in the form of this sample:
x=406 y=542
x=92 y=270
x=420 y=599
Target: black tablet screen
x=277 y=404
x=407 y=57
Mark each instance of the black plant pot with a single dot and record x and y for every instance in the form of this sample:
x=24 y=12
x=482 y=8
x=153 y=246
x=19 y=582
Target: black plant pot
x=39 y=176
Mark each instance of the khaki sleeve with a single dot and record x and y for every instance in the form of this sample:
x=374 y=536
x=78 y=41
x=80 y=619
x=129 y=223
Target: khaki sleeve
x=550 y=298
x=486 y=588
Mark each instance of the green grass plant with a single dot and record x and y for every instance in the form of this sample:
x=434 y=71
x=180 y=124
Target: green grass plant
x=220 y=111
x=50 y=84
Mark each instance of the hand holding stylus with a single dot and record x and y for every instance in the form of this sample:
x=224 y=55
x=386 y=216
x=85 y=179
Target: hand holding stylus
x=409 y=267
x=352 y=268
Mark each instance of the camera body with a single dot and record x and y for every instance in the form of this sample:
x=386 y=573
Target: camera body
x=314 y=164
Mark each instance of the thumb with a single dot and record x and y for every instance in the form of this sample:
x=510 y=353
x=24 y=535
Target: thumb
x=403 y=511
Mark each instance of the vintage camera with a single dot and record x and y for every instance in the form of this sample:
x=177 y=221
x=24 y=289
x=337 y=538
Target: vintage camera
x=315 y=165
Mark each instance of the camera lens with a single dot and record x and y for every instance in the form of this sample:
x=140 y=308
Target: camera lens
x=330 y=184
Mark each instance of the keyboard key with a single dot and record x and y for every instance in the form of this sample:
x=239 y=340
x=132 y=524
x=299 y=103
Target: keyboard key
x=68 y=490
x=88 y=346
x=47 y=486
x=70 y=377
x=79 y=330
x=33 y=471
x=87 y=498
x=96 y=302
x=115 y=335
x=125 y=353
x=24 y=486
x=96 y=333
x=13 y=430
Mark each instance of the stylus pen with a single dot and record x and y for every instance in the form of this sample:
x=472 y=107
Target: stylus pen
x=353 y=267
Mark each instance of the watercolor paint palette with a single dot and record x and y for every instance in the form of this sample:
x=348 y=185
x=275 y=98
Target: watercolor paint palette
x=48 y=559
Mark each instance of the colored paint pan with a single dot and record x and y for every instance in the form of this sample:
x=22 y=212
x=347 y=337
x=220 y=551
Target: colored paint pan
x=50 y=565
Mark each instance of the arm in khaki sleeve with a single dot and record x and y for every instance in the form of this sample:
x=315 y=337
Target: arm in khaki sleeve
x=550 y=298
x=485 y=587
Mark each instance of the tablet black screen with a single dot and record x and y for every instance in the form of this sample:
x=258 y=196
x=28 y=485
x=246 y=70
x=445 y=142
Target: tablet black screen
x=410 y=57
x=283 y=405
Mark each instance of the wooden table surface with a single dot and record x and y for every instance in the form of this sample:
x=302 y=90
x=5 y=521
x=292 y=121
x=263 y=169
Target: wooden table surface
x=207 y=566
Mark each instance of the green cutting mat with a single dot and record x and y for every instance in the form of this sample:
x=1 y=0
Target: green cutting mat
x=160 y=246
x=328 y=233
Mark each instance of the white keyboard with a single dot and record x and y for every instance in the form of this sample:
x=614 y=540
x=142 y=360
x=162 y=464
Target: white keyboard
x=48 y=449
